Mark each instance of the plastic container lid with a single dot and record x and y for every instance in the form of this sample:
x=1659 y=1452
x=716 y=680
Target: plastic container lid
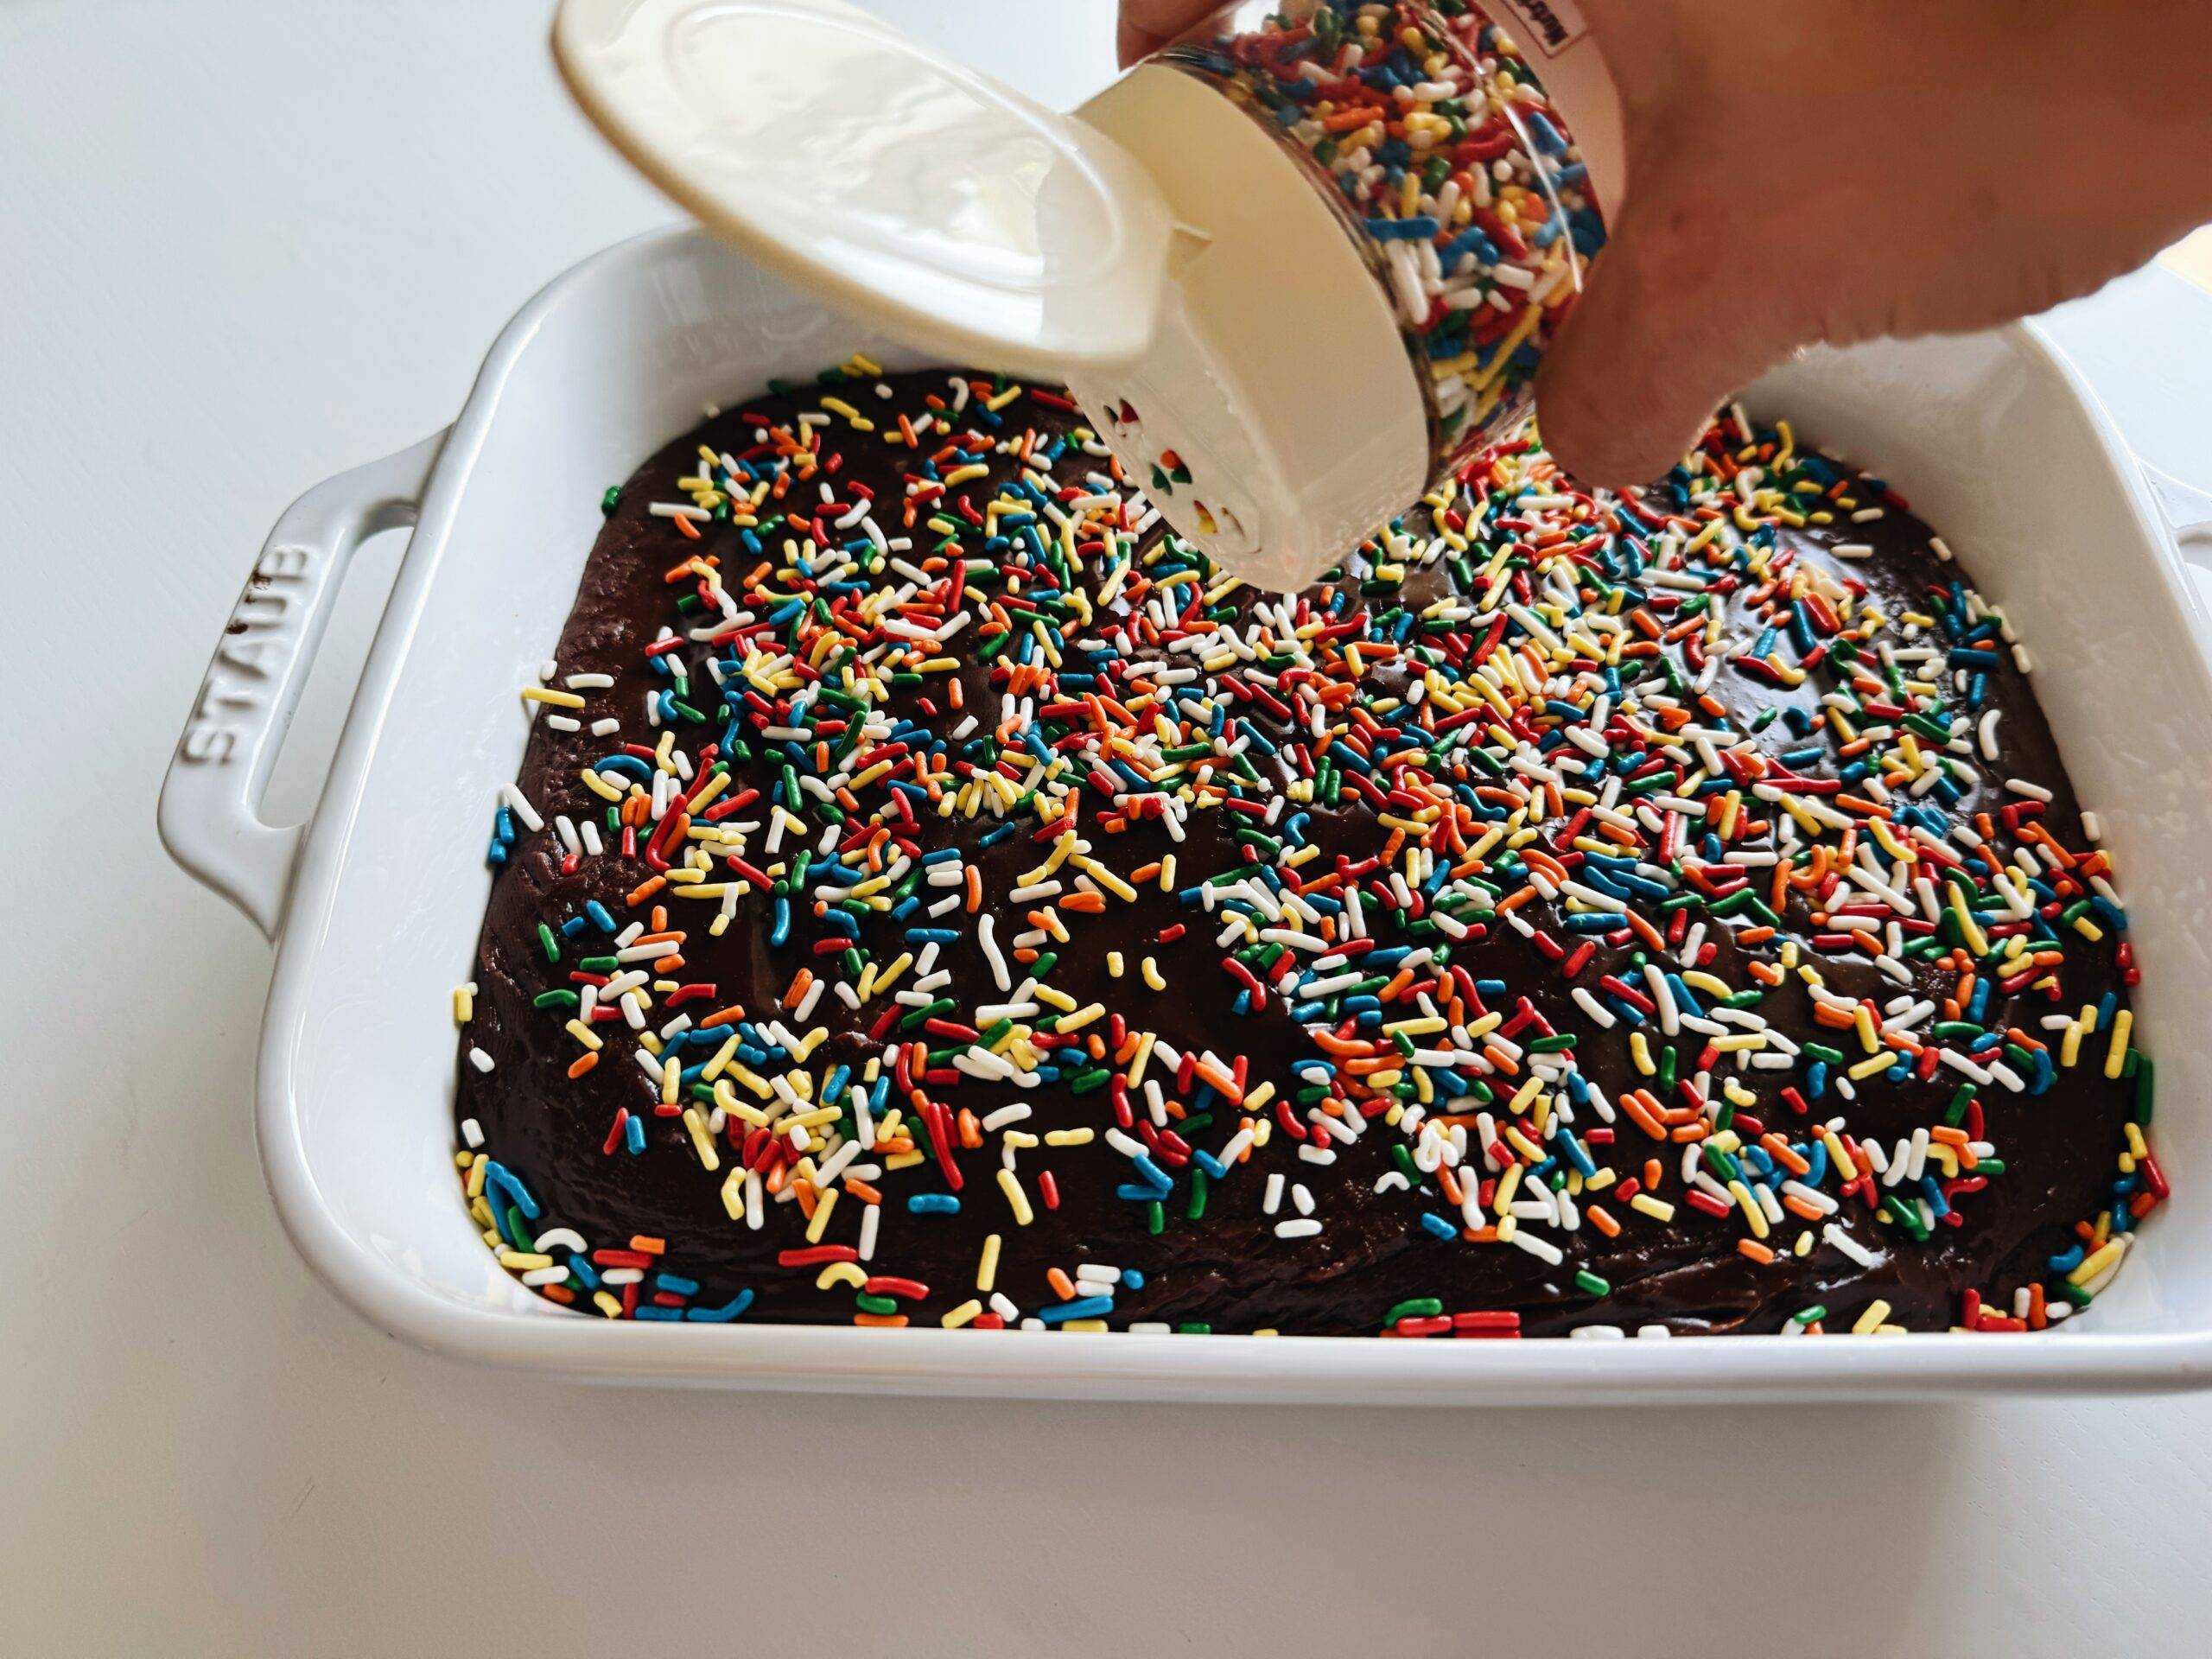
x=1154 y=251
x=899 y=185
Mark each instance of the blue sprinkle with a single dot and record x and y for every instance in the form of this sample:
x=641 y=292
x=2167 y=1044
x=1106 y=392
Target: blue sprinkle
x=1090 y=1307
x=498 y=1175
x=721 y=1315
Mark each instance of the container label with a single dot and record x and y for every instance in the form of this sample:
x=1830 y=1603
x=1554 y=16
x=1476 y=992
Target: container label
x=1550 y=26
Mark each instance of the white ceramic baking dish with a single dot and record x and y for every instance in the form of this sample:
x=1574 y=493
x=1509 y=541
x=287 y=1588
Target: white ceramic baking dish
x=375 y=904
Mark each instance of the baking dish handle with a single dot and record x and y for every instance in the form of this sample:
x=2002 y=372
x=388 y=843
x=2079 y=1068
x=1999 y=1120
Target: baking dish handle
x=2187 y=513
x=210 y=812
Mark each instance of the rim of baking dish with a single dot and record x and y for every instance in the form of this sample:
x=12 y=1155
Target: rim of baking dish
x=1117 y=1364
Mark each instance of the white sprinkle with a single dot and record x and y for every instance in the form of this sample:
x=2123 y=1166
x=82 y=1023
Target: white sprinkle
x=479 y=1059
x=1543 y=1249
x=1850 y=1246
x=523 y=810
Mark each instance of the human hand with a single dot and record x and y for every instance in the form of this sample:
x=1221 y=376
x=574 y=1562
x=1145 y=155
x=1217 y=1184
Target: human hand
x=1838 y=171
x=1802 y=171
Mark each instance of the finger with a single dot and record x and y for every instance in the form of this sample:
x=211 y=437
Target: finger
x=1666 y=332
x=1148 y=25
x=1135 y=44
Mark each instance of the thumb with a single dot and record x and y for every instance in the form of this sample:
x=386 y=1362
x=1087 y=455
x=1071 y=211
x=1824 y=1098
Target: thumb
x=1672 y=323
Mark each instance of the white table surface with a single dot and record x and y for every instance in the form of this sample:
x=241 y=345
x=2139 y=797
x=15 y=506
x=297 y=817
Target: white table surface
x=246 y=244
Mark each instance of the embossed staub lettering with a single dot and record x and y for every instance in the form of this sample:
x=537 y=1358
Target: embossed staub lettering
x=1551 y=26
x=261 y=638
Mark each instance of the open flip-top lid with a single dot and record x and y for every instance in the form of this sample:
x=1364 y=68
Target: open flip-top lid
x=901 y=187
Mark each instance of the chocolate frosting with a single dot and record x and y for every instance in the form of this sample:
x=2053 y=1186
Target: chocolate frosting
x=1228 y=1269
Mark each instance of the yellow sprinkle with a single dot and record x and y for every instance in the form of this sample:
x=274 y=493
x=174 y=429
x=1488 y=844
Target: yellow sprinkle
x=1867 y=1067
x=733 y=1194
x=2095 y=1262
x=1867 y=1323
x=1976 y=940
x=1113 y=883
x=1143 y=1057
x=822 y=1205
x=703 y=1142
x=523 y=1261
x=606 y=1305
x=1749 y=1206
x=2116 y=1056
x=961 y=1314
x=1507 y=1185
x=1150 y=970
x=987 y=1270
x=1657 y=1209
x=1114 y=963
x=464 y=1004
x=557 y=699
x=1010 y=1184
x=584 y=1034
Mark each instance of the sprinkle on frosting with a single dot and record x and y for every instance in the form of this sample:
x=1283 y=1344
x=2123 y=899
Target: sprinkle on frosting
x=1697 y=775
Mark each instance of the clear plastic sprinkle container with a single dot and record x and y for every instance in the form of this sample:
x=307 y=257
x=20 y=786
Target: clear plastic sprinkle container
x=1428 y=132
x=1297 y=268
